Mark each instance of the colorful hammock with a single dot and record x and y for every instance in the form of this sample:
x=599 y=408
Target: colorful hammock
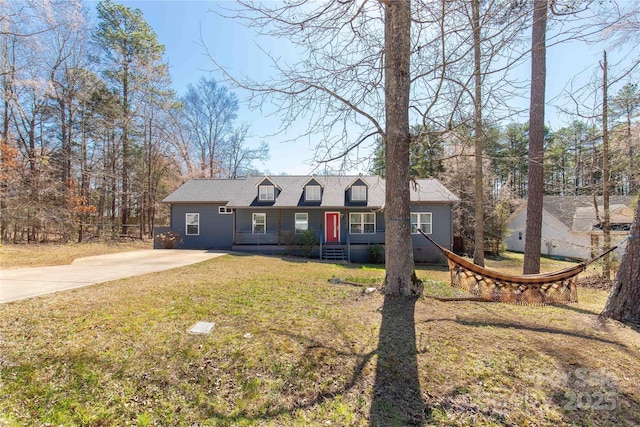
x=558 y=287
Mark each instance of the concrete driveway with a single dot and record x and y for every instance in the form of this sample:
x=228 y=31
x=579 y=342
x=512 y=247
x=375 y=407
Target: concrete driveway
x=21 y=283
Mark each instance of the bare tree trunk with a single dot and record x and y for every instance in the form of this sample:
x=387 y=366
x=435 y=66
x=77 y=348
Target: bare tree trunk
x=633 y=186
x=606 y=176
x=478 y=252
x=535 y=191
x=124 y=208
x=400 y=277
x=623 y=303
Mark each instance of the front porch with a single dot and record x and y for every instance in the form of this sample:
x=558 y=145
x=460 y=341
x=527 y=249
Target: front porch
x=355 y=247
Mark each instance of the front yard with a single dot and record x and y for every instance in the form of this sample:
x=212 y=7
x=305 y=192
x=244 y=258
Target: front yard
x=291 y=348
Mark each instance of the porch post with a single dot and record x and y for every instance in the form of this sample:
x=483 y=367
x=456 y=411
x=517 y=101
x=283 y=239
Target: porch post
x=279 y=225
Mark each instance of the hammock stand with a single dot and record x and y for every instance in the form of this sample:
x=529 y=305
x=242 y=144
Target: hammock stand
x=557 y=287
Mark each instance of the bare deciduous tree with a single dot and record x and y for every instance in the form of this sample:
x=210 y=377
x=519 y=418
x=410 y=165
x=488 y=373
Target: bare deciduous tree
x=355 y=71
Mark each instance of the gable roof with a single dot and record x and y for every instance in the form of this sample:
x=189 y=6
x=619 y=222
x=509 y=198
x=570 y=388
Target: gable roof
x=242 y=192
x=430 y=190
x=203 y=190
x=267 y=181
x=585 y=217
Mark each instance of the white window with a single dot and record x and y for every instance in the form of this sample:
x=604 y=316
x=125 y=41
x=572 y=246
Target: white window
x=302 y=222
x=359 y=193
x=421 y=221
x=312 y=193
x=266 y=192
x=193 y=224
x=223 y=210
x=259 y=223
x=362 y=222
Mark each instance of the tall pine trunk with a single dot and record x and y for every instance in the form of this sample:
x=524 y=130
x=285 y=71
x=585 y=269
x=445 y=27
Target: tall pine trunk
x=124 y=205
x=535 y=191
x=624 y=300
x=400 y=270
x=606 y=175
x=478 y=252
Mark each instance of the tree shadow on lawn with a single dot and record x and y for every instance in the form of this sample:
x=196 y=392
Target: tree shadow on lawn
x=397 y=398
x=586 y=388
x=301 y=393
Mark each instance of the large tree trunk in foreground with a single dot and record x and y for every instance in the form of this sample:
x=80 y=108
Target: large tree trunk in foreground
x=535 y=190
x=624 y=300
x=400 y=270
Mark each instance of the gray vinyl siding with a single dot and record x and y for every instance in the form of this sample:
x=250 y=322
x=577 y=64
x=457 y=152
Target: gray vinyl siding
x=244 y=227
x=315 y=218
x=367 y=238
x=441 y=232
x=216 y=230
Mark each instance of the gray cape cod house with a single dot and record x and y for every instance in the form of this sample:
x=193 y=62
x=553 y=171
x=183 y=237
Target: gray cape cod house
x=266 y=213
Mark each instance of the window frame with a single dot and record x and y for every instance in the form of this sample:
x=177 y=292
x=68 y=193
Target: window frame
x=308 y=197
x=296 y=222
x=361 y=223
x=360 y=195
x=269 y=193
x=224 y=210
x=415 y=225
x=253 y=222
x=187 y=224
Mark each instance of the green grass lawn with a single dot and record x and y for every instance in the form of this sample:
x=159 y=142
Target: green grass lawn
x=290 y=348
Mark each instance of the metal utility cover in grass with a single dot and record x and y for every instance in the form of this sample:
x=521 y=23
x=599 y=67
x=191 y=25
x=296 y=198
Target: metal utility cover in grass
x=202 y=328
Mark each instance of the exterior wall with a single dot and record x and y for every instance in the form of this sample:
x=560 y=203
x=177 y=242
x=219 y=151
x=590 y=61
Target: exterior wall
x=314 y=217
x=224 y=231
x=517 y=226
x=557 y=239
x=216 y=230
x=244 y=227
x=365 y=238
x=441 y=232
x=360 y=254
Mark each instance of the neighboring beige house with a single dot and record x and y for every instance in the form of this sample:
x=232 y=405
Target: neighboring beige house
x=570 y=226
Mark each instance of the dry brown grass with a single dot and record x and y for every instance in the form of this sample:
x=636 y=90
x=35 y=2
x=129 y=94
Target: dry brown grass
x=289 y=348
x=39 y=255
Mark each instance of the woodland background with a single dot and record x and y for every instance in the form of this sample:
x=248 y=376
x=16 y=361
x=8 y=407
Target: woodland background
x=94 y=136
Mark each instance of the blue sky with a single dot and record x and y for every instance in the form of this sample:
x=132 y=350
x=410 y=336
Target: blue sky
x=180 y=24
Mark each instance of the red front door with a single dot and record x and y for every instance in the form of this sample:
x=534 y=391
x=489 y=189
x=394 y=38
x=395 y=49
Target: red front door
x=332 y=227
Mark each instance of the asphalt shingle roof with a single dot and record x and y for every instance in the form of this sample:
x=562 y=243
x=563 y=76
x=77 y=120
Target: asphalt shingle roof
x=564 y=207
x=243 y=192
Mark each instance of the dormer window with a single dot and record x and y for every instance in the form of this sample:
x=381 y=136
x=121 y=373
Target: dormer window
x=359 y=193
x=266 y=192
x=312 y=193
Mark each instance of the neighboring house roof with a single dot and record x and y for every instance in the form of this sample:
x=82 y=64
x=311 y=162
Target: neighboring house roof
x=577 y=212
x=243 y=193
x=585 y=218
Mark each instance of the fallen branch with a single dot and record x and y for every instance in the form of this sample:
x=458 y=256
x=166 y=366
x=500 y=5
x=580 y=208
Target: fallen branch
x=459 y=299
